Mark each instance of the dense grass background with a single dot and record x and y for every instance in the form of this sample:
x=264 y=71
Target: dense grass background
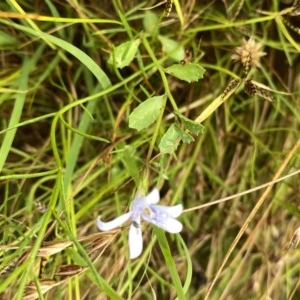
x=69 y=155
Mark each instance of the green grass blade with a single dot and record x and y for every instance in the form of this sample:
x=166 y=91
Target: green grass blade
x=170 y=263
x=76 y=52
x=22 y=84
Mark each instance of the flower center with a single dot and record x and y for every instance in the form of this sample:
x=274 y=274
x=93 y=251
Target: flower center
x=148 y=211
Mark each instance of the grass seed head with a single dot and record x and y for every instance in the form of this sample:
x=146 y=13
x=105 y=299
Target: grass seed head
x=248 y=49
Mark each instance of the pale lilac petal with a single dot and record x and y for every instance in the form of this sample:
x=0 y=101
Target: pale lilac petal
x=165 y=211
x=142 y=202
x=168 y=224
x=105 y=226
x=153 y=197
x=135 y=240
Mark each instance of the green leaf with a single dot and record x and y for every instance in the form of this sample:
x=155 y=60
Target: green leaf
x=170 y=140
x=185 y=137
x=191 y=125
x=124 y=54
x=146 y=113
x=172 y=48
x=188 y=72
x=150 y=22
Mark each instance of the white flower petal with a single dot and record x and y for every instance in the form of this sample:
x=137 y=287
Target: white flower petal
x=153 y=197
x=135 y=240
x=168 y=224
x=105 y=226
x=173 y=211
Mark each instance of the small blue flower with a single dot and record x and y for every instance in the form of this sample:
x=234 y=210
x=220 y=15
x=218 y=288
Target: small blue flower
x=145 y=208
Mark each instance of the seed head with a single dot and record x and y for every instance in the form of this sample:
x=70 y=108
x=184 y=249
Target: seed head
x=250 y=52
